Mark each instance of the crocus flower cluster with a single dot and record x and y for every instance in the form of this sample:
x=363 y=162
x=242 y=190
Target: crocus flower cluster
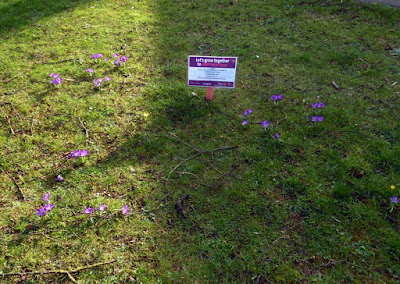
x=56 y=79
x=45 y=208
x=317 y=118
x=264 y=123
x=97 y=55
x=246 y=113
x=318 y=105
x=276 y=98
x=103 y=207
x=97 y=82
x=78 y=153
x=118 y=61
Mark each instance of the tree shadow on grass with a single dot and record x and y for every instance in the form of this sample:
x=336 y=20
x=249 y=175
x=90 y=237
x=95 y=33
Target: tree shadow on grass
x=15 y=15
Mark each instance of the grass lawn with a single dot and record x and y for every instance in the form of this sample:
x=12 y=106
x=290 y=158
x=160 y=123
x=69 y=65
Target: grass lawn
x=314 y=205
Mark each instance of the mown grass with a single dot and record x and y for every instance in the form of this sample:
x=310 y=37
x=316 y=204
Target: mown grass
x=314 y=206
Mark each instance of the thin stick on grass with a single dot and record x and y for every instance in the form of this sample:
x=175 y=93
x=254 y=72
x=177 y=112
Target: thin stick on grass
x=15 y=183
x=192 y=174
x=15 y=77
x=84 y=127
x=8 y=120
x=67 y=272
x=200 y=152
x=56 y=62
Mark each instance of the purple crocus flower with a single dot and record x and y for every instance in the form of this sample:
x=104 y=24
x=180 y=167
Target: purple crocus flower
x=317 y=118
x=123 y=58
x=78 y=153
x=265 y=124
x=116 y=55
x=98 y=81
x=59 y=178
x=318 y=105
x=106 y=59
x=245 y=122
x=276 y=97
x=125 y=209
x=394 y=199
x=57 y=81
x=41 y=212
x=46 y=197
x=108 y=78
x=88 y=210
x=117 y=63
x=48 y=207
x=102 y=207
x=97 y=55
x=90 y=70
x=276 y=136
x=54 y=75
x=247 y=112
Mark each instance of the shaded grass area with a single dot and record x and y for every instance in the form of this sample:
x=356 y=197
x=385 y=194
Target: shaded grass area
x=312 y=207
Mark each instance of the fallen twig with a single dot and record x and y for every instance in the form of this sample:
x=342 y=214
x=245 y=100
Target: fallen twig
x=199 y=152
x=16 y=76
x=192 y=174
x=124 y=82
x=335 y=85
x=67 y=272
x=61 y=61
x=183 y=161
x=15 y=183
x=84 y=127
x=8 y=119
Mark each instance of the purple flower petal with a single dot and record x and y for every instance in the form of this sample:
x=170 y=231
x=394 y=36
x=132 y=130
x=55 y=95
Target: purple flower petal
x=125 y=209
x=41 y=212
x=57 y=81
x=46 y=197
x=48 y=207
x=78 y=153
x=99 y=55
x=245 y=122
x=265 y=124
x=102 y=207
x=276 y=97
x=116 y=55
x=394 y=199
x=106 y=59
x=276 y=136
x=90 y=70
x=247 y=112
x=59 y=178
x=54 y=75
x=317 y=118
x=108 y=78
x=88 y=210
x=117 y=63
x=123 y=58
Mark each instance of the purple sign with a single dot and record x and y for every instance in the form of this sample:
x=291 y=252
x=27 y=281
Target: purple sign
x=208 y=71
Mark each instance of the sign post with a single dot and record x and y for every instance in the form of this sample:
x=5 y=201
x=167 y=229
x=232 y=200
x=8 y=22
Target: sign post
x=211 y=72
